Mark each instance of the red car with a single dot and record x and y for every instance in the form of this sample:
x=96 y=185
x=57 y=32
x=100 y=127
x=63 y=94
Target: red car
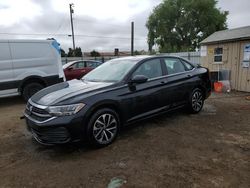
x=77 y=69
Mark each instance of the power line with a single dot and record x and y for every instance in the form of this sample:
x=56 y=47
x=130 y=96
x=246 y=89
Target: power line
x=61 y=24
x=66 y=35
x=114 y=25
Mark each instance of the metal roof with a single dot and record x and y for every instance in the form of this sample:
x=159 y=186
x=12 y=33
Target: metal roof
x=228 y=35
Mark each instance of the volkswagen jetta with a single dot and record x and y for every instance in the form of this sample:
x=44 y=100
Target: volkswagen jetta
x=115 y=94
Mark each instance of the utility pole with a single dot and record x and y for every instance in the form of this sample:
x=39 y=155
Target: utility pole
x=72 y=27
x=132 y=38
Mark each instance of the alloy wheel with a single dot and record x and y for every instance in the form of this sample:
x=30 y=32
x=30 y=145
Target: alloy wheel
x=105 y=128
x=197 y=101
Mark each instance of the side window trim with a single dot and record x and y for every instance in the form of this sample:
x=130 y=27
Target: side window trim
x=169 y=75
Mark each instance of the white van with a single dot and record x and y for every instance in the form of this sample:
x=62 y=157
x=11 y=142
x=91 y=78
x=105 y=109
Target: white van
x=27 y=66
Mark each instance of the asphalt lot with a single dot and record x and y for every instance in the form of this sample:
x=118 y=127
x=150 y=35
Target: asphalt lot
x=210 y=149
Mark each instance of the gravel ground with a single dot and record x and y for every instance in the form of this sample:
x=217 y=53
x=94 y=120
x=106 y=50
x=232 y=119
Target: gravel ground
x=210 y=149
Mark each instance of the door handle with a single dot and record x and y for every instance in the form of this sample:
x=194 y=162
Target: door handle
x=189 y=75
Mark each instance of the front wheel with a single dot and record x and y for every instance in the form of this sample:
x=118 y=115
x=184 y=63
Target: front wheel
x=103 y=127
x=30 y=89
x=196 y=101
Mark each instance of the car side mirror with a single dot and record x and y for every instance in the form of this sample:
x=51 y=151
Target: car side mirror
x=70 y=68
x=138 y=79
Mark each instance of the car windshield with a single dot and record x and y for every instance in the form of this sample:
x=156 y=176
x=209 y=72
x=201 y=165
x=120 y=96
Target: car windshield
x=111 y=71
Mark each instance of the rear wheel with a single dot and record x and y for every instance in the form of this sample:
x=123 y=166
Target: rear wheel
x=103 y=127
x=30 y=89
x=196 y=101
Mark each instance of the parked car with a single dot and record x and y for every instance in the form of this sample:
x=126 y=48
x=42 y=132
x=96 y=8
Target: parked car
x=77 y=69
x=27 y=66
x=119 y=92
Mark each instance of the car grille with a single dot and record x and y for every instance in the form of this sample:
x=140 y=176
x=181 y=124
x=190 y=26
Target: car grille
x=57 y=135
x=36 y=113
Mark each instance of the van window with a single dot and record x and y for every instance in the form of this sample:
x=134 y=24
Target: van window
x=26 y=50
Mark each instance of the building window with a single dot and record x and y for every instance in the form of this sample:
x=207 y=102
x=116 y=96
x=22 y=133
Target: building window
x=218 y=52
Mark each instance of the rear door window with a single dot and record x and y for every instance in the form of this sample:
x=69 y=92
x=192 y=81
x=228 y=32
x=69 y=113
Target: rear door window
x=80 y=65
x=174 y=66
x=187 y=65
x=91 y=64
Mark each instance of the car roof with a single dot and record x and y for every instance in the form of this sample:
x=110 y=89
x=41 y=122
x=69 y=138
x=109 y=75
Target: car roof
x=72 y=62
x=139 y=58
x=144 y=57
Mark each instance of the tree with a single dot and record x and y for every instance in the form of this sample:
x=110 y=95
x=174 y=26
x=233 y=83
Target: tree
x=78 y=52
x=71 y=52
x=63 y=54
x=75 y=53
x=95 y=54
x=180 y=25
x=137 y=52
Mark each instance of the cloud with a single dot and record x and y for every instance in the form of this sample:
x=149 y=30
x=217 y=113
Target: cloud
x=110 y=19
x=13 y=12
x=238 y=12
x=100 y=25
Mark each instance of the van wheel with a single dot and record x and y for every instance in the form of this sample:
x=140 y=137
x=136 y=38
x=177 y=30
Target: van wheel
x=30 y=89
x=196 y=101
x=103 y=127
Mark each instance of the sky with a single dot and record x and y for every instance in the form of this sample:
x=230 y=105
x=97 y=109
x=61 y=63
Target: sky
x=101 y=25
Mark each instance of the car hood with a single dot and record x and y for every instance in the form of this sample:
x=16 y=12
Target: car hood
x=63 y=91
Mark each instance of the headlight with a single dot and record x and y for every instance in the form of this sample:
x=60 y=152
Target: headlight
x=66 y=110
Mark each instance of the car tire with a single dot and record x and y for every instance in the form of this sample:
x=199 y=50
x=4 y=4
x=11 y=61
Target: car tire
x=196 y=101
x=30 y=89
x=103 y=127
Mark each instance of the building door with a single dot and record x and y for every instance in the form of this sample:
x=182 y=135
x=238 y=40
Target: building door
x=234 y=58
x=243 y=83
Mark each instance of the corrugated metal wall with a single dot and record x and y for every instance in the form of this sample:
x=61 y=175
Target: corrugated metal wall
x=193 y=57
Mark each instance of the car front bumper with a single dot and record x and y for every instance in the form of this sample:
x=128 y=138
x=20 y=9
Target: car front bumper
x=54 y=130
x=55 y=134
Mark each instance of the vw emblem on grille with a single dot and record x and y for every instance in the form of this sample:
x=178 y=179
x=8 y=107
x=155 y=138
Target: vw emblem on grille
x=31 y=107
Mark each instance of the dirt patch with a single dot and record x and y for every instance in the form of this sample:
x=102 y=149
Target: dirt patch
x=210 y=149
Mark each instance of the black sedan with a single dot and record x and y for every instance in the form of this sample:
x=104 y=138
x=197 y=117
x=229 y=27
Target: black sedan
x=115 y=94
